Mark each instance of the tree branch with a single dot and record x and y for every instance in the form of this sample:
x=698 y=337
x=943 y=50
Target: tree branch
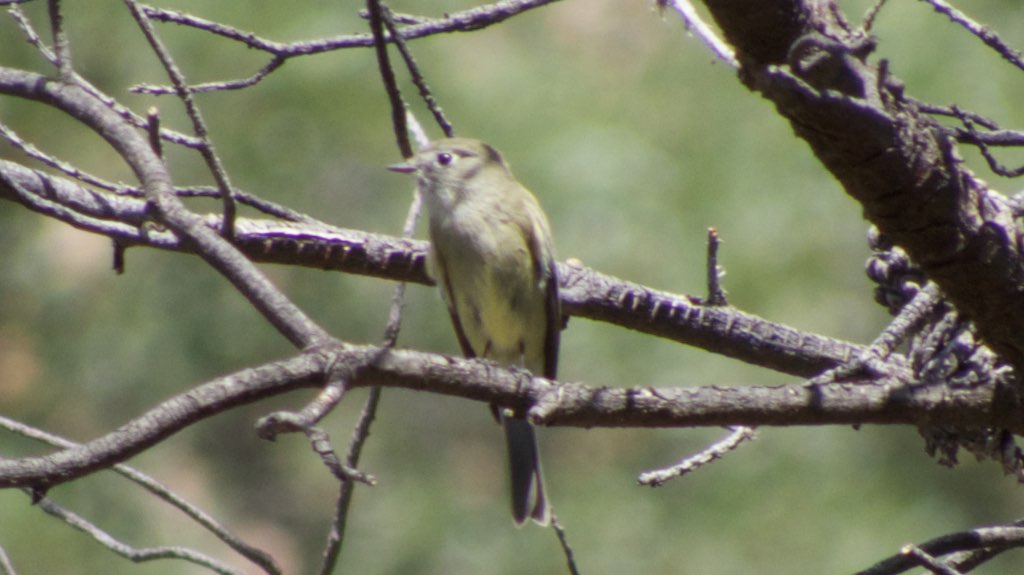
x=259 y=557
x=418 y=27
x=585 y=292
x=995 y=538
x=134 y=148
x=889 y=399
x=898 y=162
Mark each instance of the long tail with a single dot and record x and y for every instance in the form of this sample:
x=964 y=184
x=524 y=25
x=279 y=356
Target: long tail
x=528 y=498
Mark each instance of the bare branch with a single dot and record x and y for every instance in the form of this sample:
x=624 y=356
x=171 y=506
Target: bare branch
x=570 y=556
x=870 y=400
x=990 y=38
x=387 y=76
x=198 y=124
x=871 y=14
x=695 y=24
x=29 y=31
x=33 y=38
x=716 y=294
x=927 y=561
x=724 y=330
x=166 y=419
x=967 y=560
x=464 y=21
x=148 y=167
x=336 y=534
x=658 y=477
x=257 y=556
x=64 y=167
x=6 y=567
x=416 y=74
x=127 y=551
x=898 y=162
x=994 y=538
x=584 y=292
x=61 y=47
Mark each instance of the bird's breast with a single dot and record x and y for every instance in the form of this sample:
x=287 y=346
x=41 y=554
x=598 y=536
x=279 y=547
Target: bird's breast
x=488 y=270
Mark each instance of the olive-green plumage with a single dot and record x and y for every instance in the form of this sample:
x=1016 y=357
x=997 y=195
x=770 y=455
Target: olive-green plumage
x=492 y=258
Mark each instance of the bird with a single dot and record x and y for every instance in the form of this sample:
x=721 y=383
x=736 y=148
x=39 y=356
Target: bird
x=493 y=259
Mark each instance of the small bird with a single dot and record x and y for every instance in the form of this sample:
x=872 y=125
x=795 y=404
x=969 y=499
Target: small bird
x=492 y=256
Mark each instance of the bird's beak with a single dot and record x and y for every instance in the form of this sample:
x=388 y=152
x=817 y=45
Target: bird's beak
x=403 y=168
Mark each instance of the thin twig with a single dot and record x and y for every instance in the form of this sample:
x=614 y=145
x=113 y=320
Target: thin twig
x=61 y=46
x=417 y=76
x=161 y=491
x=274 y=63
x=696 y=25
x=136 y=555
x=737 y=436
x=21 y=20
x=463 y=21
x=387 y=76
x=570 y=556
x=995 y=138
x=138 y=121
x=878 y=358
x=927 y=561
x=305 y=420
x=910 y=318
x=995 y=539
x=278 y=422
x=153 y=129
x=336 y=534
x=398 y=298
x=6 y=567
x=321 y=443
x=416 y=130
x=983 y=33
x=871 y=15
x=716 y=295
x=242 y=197
x=361 y=432
x=198 y=124
x=954 y=112
x=66 y=168
x=974 y=137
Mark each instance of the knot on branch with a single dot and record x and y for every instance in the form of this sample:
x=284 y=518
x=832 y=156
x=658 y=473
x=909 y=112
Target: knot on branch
x=833 y=64
x=944 y=350
x=898 y=279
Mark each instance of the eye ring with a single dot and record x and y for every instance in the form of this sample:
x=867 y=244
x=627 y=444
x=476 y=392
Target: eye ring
x=445 y=159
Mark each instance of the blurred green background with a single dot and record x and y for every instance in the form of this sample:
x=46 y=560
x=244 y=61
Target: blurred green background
x=635 y=141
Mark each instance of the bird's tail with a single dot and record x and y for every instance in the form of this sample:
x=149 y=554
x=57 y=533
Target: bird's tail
x=528 y=499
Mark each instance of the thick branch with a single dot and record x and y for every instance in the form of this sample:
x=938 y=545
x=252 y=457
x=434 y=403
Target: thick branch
x=585 y=292
x=892 y=400
x=162 y=421
x=898 y=162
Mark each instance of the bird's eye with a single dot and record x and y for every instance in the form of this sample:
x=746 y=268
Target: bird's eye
x=445 y=159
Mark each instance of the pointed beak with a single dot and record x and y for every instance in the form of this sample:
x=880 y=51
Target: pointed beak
x=402 y=168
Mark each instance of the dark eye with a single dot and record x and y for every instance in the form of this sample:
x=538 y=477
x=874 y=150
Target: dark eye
x=445 y=159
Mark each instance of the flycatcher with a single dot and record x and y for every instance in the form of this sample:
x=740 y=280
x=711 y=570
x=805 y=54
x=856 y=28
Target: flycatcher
x=491 y=254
